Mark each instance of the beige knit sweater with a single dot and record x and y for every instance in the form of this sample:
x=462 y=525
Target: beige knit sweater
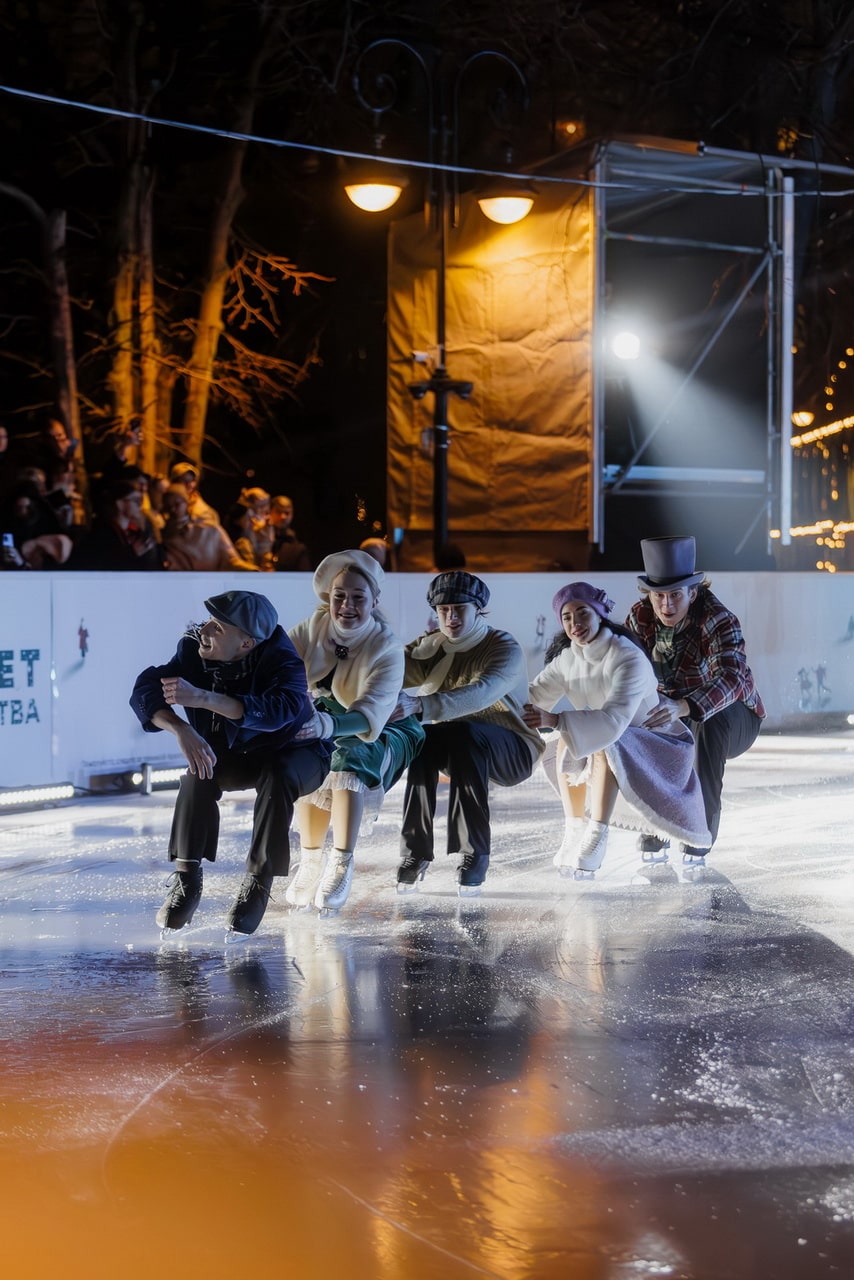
x=487 y=683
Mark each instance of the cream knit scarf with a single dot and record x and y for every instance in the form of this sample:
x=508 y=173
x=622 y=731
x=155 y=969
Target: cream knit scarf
x=435 y=642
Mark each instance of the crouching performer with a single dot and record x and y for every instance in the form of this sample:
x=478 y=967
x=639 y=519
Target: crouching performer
x=611 y=688
x=243 y=688
x=471 y=683
x=354 y=664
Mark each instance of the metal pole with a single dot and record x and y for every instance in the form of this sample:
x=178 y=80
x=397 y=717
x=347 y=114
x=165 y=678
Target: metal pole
x=787 y=314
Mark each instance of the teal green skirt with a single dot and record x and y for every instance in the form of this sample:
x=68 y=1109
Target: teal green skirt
x=380 y=763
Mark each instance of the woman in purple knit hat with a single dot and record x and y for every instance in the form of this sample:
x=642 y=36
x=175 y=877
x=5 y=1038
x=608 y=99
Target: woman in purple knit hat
x=610 y=687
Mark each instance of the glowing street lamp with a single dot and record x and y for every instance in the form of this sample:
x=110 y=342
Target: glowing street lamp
x=505 y=204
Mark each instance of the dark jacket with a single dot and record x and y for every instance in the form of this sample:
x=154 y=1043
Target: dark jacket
x=707 y=665
x=270 y=682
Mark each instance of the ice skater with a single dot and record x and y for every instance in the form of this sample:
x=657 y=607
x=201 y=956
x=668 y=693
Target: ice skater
x=610 y=685
x=242 y=686
x=696 y=647
x=354 y=664
x=471 y=683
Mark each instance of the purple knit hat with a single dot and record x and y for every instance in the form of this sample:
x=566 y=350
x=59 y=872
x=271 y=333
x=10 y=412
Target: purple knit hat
x=582 y=593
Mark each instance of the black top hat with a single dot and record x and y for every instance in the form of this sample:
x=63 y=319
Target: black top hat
x=669 y=563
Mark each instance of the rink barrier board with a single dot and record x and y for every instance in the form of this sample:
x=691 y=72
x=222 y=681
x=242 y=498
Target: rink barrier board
x=72 y=645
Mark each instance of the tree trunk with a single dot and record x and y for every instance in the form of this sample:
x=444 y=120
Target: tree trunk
x=62 y=341
x=200 y=370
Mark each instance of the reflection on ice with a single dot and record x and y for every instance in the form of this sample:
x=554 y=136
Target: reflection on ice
x=557 y=1079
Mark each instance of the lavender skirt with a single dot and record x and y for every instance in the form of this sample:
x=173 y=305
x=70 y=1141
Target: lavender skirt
x=659 y=789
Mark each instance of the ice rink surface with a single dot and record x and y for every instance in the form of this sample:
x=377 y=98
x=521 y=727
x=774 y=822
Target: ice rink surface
x=638 y=1076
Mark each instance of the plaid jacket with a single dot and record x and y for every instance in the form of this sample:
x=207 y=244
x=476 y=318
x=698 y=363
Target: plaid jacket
x=709 y=668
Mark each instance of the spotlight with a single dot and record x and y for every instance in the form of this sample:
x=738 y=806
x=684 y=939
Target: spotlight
x=626 y=345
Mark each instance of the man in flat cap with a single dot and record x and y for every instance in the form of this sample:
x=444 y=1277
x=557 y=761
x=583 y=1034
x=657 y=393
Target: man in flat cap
x=696 y=647
x=243 y=688
x=472 y=684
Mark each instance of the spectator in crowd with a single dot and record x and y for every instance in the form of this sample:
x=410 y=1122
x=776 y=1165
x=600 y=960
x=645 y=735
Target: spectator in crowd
x=120 y=537
x=240 y=525
x=186 y=474
x=261 y=532
x=189 y=546
x=53 y=445
x=124 y=446
x=471 y=683
x=610 y=687
x=449 y=556
x=243 y=689
x=5 y=462
x=157 y=486
x=62 y=496
x=696 y=647
x=378 y=549
x=290 y=554
x=34 y=525
x=354 y=663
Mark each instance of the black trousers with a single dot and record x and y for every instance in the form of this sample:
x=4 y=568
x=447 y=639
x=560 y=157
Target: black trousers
x=472 y=754
x=279 y=778
x=722 y=737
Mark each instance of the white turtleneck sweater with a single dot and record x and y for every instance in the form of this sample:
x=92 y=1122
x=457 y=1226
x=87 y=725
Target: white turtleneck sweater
x=610 y=685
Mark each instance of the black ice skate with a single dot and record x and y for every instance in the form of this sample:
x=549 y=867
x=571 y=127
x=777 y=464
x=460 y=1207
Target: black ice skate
x=653 y=848
x=471 y=874
x=411 y=872
x=185 y=894
x=247 y=910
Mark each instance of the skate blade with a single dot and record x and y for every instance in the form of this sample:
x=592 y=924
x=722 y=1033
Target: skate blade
x=233 y=937
x=407 y=888
x=650 y=857
x=583 y=873
x=326 y=913
x=469 y=890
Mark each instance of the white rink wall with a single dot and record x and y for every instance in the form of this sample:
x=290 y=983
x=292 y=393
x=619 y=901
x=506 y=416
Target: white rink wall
x=64 y=716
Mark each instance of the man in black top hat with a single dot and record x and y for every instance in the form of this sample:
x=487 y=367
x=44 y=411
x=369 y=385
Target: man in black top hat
x=696 y=646
x=243 y=688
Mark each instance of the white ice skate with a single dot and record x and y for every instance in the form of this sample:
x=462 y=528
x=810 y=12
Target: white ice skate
x=591 y=851
x=334 y=888
x=301 y=890
x=565 y=856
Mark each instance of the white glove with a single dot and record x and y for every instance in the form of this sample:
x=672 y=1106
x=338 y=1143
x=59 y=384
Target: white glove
x=321 y=725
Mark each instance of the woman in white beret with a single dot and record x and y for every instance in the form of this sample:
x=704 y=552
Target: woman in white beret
x=354 y=664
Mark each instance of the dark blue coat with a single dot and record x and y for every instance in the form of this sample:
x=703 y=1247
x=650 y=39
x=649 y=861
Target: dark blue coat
x=270 y=683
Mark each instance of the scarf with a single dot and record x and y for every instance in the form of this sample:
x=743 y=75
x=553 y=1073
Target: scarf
x=437 y=643
x=326 y=645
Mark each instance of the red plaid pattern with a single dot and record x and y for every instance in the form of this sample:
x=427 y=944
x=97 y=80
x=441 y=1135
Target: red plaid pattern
x=709 y=665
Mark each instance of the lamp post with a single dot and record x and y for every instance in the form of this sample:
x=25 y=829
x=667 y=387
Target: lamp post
x=379 y=93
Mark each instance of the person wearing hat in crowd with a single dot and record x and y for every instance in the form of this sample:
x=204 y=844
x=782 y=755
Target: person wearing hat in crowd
x=696 y=647
x=242 y=687
x=184 y=473
x=611 y=689
x=471 y=684
x=354 y=664
x=193 y=546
